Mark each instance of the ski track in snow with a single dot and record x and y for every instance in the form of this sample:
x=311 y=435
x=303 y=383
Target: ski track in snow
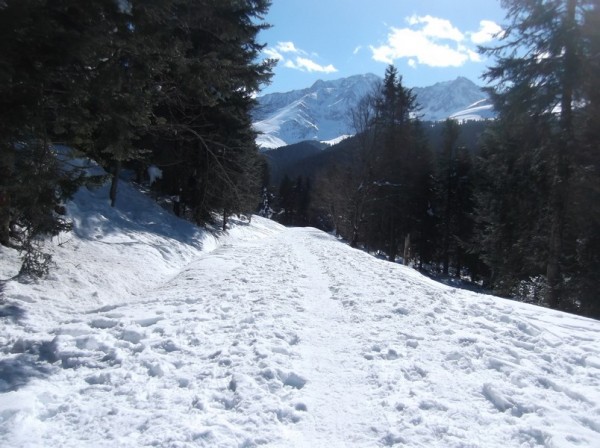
x=298 y=340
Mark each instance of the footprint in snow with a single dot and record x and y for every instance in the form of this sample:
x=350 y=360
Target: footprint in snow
x=287 y=416
x=132 y=336
x=148 y=321
x=291 y=379
x=102 y=323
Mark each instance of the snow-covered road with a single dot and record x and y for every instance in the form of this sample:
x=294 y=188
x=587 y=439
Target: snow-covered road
x=294 y=339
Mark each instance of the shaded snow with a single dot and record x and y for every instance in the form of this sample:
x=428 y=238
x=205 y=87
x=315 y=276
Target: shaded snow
x=152 y=333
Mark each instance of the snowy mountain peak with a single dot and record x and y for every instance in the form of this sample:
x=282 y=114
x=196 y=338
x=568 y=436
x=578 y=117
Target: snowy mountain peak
x=445 y=99
x=320 y=112
x=316 y=113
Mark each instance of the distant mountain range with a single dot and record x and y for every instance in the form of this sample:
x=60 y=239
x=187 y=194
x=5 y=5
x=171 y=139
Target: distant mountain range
x=320 y=112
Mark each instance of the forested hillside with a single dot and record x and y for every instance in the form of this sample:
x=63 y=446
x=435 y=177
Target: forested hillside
x=128 y=84
x=512 y=204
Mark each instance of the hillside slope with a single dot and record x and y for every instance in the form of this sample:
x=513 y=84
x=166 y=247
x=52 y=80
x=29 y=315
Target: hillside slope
x=151 y=333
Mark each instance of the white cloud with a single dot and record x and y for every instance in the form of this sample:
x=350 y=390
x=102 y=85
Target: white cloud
x=474 y=56
x=436 y=27
x=407 y=43
x=357 y=49
x=283 y=52
x=306 y=65
x=272 y=54
x=487 y=31
x=430 y=41
x=288 y=47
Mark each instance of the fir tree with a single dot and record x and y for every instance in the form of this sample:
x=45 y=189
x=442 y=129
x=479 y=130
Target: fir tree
x=539 y=82
x=206 y=141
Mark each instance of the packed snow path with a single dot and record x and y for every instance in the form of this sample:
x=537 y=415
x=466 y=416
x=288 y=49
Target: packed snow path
x=297 y=340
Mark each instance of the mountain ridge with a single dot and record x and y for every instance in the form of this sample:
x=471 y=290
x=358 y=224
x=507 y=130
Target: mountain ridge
x=320 y=112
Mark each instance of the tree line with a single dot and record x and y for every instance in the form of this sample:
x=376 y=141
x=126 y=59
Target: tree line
x=127 y=83
x=521 y=213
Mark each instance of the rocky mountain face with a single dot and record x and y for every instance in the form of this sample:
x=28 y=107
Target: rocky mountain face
x=320 y=112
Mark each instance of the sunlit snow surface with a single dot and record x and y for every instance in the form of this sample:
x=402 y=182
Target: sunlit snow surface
x=151 y=333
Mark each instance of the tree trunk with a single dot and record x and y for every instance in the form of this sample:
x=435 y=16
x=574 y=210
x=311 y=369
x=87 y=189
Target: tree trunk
x=459 y=260
x=553 y=265
x=393 y=249
x=4 y=218
x=407 y=249
x=354 y=241
x=115 y=182
x=224 y=220
x=560 y=171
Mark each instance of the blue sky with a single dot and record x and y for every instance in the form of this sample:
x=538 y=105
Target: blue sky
x=427 y=40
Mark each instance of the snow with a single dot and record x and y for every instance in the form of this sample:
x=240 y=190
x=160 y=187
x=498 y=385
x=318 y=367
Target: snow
x=337 y=140
x=316 y=113
x=480 y=110
x=150 y=332
x=154 y=173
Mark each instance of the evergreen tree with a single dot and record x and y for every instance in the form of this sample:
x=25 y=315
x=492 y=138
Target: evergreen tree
x=116 y=80
x=401 y=168
x=206 y=141
x=43 y=86
x=123 y=89
x=453 y=205
x=539 y=82
x=447 y=177
x=586 y=174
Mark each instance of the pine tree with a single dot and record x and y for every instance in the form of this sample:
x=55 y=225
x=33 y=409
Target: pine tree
x=538 y=77
x=586 y=174
x=43 y=80
x=447 y=177
x=205 y=141
x=114 y=79
x=400 y=163
x=453 y=204
x=123 y=88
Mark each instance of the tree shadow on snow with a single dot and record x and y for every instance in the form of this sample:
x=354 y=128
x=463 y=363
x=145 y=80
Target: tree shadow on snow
x=8 y=311
x=25 y=360
x=456 y=282
x=11 y=312
x=16 y=372
x=134 y=213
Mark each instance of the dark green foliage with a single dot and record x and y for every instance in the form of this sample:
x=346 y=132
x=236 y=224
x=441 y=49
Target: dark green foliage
x=400 y=173
x=203 y=138
x=42 y=87
x=510 y=210
x=128 y=83
x=377 y=194
x=293 y=201
x=292 y=160
x=453 y=201
x=536 y=199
